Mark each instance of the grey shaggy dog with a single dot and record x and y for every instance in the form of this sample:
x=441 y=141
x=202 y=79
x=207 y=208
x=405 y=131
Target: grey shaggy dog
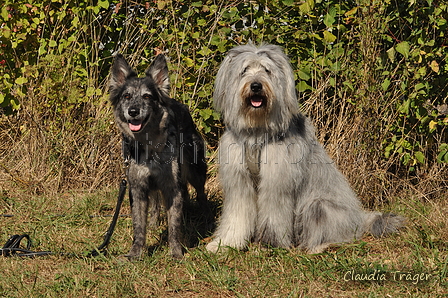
x=280 y=187
x=164 y=149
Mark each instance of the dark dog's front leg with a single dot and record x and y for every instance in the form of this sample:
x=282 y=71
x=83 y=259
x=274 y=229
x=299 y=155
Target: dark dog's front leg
x=174 y=200
x=138 y=193
x=139 y=211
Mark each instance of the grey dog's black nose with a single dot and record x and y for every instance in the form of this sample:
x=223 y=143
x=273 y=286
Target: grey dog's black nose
x=133 y=112
x=255 y=86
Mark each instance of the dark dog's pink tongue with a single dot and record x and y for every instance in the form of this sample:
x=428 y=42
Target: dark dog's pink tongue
x=256 y=101
x=135 y=127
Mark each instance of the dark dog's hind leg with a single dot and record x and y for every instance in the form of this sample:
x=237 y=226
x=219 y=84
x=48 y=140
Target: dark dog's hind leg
x=197 y=175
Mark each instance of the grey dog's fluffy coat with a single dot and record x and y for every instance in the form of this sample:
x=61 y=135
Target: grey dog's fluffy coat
x=280 y=187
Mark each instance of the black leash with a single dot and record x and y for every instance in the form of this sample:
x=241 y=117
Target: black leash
x=126 y=151
x=12 y=246
x=102 y=248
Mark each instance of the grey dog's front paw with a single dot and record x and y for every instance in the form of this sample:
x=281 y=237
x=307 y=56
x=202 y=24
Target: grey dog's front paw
x=215 y=246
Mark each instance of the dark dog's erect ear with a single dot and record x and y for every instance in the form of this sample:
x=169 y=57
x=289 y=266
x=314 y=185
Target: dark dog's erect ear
x=158 y=70
x=120 y=72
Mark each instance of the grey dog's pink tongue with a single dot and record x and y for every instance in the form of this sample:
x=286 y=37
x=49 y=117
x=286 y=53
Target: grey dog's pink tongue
x=256 y=102
x=135 y=127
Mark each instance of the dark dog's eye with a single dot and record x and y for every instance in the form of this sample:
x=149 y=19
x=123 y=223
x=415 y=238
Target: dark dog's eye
x=244 y=70
x=127 y=96
x=267 y=71
x=146 y=96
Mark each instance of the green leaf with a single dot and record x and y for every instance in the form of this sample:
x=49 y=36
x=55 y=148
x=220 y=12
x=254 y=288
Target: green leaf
x=406 y=158
x=21 y=80
x=391 y=54
x=75 y=21
x=348 y=84
x=420 y=157
x=304 y=74
x=205 y=113
x=403 y=48
x=385 y=85
x=352 y=11
x=329 y=20
x=302 y=86
x=90 y=91
x=435 y=66
x=104 y=4
x=389 y=148
x=161 y=4
x=442 y=157
x=307 y=6
x=189 y=61
x=205 y=51
x=329 y=37
x=6 y=32
x=42 y=48
x=421 y=72
x=14 y=104
x=443 y=154
x=404 y=108
x=5 y=12
x=419 y=86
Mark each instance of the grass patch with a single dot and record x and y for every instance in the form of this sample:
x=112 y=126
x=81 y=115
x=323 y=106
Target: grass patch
x=413 y=262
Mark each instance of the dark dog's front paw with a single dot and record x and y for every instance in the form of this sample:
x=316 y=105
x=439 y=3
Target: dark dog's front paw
x=132 y=257
x=135 y=253
x=177 y=252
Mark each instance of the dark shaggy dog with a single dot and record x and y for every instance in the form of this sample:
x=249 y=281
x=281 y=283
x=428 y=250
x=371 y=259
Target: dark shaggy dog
x=165 y=150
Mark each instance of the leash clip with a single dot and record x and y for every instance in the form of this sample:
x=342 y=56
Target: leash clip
x=125 y=167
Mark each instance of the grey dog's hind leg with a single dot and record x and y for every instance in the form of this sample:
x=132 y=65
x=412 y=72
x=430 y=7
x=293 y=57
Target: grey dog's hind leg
x=384 y=224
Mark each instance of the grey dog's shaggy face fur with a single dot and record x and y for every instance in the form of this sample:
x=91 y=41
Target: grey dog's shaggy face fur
x=280 y=187
x=254 y=90
x=164 y=148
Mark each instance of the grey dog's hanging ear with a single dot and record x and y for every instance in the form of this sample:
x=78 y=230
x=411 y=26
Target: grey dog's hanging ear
x=221 y=80
x=158 y=71
x=120 y=72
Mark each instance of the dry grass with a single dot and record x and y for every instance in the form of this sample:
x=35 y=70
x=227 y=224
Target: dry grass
x=39 y=158
x=62 y=224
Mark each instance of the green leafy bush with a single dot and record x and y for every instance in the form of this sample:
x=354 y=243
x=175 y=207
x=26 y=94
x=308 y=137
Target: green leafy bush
x=370 y=74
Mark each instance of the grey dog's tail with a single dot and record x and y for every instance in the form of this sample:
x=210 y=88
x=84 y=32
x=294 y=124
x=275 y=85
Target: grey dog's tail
x=382 y=224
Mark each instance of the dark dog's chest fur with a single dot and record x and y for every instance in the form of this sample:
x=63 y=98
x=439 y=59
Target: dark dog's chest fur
x=165 y=149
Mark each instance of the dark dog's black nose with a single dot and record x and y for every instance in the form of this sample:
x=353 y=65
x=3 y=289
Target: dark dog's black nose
x=133 y=112
x=256 y=87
